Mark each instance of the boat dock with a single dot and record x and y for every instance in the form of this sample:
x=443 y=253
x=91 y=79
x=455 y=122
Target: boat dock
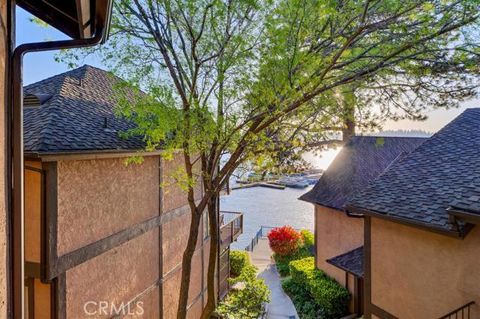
x=259 y=184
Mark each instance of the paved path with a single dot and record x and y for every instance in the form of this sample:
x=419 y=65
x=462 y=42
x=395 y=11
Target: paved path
x=280 y=306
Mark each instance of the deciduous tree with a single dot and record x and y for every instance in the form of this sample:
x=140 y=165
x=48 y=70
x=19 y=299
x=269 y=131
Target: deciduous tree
x=235 y=81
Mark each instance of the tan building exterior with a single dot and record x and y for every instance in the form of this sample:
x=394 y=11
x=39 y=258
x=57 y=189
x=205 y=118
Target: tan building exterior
x=335 y=234
x=113 y=236
x=432 y=273
x=422 y=241
x=82 y=21
x=339 y=236
x=105 y=238
x=4 y=51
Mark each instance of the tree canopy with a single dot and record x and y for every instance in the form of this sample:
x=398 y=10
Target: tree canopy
x=247 y=80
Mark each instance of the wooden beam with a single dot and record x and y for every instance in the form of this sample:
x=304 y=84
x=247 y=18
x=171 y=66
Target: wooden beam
x=84 y=18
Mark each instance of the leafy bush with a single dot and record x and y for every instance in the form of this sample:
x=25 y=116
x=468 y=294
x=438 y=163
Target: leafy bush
x=238 y=260
x=247 y=302
x=284 y=240
x=308 y=238
x=302 y=270
x=304 y=303
x=330 y=298
x=283 y=261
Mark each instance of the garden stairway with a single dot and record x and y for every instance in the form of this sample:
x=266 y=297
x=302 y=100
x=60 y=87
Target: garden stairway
x=280 y=306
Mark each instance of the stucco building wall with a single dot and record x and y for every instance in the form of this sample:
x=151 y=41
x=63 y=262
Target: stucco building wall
x=33 y=201
x=3 y=103
x=336 y=234
x=175 y=239
x=120 y=275
x=99 y=199
x=420 y=274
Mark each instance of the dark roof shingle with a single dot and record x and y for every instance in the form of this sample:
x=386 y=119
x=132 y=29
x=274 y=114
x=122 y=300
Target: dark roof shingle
x=73 y=119
x=359 y=162
x=351 y=261
x=444 y=171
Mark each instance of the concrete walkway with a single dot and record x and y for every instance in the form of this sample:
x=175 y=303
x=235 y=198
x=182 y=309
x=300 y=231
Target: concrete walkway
x=280 y=306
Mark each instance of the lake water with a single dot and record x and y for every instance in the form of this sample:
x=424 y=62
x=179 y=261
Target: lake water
x=273 y=207
x=268 y=207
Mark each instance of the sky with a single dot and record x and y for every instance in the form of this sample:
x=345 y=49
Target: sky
x=38 y=66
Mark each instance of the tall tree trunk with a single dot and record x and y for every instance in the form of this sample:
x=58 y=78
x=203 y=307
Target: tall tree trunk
x=187 y=264
x=212 y=257
x=348 y=104
x=348 y=130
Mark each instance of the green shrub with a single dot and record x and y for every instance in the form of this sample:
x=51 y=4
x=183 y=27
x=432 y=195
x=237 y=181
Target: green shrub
x=330 y=297
x=302 y=270
x=304 y=303
x=283 y=268
x=285 y=240
x=238 y=260
x=308 y=238
x=282 y=262
x=247 y=302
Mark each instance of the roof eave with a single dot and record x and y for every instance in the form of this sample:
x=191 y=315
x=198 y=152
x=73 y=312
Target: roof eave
x=344 y=269
x=464 y=215
x=307 y=199
x=78 y=19
x=409 y=222
x=88 y=154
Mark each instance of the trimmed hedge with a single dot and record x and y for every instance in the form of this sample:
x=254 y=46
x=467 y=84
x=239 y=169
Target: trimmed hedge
x=239 y=259
x=304 y=303
x=330 y=297
x=282 y=262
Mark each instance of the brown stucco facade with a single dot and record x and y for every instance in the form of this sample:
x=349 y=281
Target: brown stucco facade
x=336 y=233
x=4 y=52
x=415 y=273
x=114 y=233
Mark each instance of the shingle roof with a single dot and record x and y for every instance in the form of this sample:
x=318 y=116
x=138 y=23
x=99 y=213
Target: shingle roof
x=444 y=171
x=351 y=261
x=73 y=119
x=359 y=162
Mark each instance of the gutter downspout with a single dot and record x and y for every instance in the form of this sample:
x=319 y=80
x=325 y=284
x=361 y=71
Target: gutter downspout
x=15 y=151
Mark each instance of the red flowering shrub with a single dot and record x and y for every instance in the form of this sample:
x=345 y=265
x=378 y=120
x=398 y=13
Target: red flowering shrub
x=284 y=240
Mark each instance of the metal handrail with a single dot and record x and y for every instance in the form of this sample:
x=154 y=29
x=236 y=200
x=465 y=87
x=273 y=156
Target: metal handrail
x=254 y=240
x=461 y=311
x=261 y=233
